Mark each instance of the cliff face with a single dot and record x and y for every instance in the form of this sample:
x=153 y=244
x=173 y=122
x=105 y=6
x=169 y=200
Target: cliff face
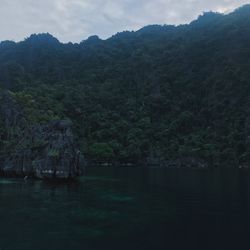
x=42 y=151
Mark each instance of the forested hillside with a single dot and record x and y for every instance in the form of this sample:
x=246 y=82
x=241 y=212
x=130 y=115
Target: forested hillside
x=163 y=92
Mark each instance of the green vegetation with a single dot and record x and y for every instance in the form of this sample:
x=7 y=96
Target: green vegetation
x=162 y=92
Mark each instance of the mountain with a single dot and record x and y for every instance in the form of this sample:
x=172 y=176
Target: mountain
x=159 y=94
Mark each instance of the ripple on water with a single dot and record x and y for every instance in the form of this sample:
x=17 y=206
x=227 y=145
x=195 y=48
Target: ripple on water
x=5 y=182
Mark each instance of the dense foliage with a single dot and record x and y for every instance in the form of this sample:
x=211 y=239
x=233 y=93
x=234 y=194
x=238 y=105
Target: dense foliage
x=165 y=92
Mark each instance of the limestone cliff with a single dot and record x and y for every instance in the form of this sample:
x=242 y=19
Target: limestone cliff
x=38 y=150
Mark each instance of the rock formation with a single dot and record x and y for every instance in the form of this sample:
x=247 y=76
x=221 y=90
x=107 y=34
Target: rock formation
x=42 y=151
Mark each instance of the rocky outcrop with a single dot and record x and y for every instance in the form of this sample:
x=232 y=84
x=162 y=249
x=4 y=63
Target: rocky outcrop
x=188 y=162
x=42 y=151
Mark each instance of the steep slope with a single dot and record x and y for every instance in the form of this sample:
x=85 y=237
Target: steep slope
x=160 y=93
x=37 y=150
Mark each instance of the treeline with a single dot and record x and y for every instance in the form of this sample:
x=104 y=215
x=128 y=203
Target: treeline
x=163 y=92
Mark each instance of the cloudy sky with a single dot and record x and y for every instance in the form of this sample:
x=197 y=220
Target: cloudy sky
x=75 y=20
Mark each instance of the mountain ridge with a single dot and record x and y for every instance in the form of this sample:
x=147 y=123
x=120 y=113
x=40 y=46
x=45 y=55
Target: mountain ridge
x=245 y=9
x=162 y=92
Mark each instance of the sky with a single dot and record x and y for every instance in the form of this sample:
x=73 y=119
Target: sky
x=76 y=20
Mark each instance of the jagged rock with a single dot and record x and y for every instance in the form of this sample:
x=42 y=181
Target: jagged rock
x=188 y=162
x=42 y=151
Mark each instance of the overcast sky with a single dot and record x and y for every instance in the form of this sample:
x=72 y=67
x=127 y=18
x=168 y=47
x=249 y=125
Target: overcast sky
x=75 y=20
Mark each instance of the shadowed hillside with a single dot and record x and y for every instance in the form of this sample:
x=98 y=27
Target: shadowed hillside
x=160 y=93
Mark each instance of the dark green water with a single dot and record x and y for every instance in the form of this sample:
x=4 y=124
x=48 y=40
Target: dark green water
x=126 y=208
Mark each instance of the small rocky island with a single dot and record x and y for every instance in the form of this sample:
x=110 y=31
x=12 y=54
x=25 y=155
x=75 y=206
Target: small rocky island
x=44 y=151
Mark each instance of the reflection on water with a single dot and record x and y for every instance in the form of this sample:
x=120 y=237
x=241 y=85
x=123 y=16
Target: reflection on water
x=126 y=208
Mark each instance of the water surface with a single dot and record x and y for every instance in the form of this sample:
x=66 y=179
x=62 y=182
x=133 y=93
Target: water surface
x=128 y=208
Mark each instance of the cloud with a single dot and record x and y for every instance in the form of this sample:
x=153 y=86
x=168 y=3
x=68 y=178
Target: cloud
x=75 y=20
